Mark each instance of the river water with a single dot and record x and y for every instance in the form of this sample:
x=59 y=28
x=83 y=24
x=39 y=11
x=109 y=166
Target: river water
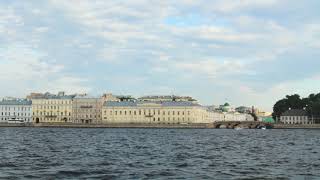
x=58 y=153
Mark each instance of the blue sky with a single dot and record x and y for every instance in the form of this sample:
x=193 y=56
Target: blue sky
x=246 y=52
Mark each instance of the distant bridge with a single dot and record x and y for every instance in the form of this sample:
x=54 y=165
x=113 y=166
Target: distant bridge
x=242 y=124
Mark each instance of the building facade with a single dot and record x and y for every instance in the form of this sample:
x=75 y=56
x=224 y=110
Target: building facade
x=14 y=110
x=51 y=108
x=87 y=109
x=154 y=112
x=295 y=116
x=235 y=116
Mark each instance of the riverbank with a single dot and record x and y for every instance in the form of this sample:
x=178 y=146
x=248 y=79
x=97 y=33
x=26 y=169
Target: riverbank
x=296 y=126
x=173 y=126
x=64 y=125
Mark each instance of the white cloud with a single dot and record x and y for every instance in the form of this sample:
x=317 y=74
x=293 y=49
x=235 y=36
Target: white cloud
x=68 y=84
x=31 y=70
x=215 y=41
x=239 y=5
x=42 y=29
x=9 y=22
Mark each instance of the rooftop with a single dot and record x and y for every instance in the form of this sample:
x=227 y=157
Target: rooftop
x=84 y=96
x=15 y=102
x=295 y=112
x=47 y=95
x=163 y=104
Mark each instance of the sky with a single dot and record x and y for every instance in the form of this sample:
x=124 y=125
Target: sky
x=245 y=52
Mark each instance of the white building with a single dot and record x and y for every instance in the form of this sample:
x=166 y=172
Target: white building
x=14 y=110
x=237 y=117
x=295 y=116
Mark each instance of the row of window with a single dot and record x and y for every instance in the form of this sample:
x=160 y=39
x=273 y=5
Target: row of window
x=163 y=119
x=5 y=119
x=54 y=102
x=297 y=122
x=88 y=116
x=146 y=112
x=295 y=118
x=52 y=107
x=51 y=113
x=51 y=119
x=14 y=114
x=86 y=110
x=9 y=108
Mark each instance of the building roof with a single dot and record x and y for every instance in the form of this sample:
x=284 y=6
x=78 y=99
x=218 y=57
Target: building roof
x=295 y=112
x=85 y=96
x=47 y=95
x=15 y=102
x=164 y=104
x=167 y=97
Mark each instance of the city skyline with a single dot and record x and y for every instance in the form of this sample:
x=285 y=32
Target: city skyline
x=243 y=52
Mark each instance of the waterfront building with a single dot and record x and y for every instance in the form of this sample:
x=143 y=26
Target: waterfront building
x=13 y=110
x=51 y=108
x=150 y=112
x=214 y=116
x=87 y=109
x=295 y=116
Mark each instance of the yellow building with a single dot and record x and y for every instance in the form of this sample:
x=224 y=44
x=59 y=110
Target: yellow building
x=50 y=108
x=154 y=112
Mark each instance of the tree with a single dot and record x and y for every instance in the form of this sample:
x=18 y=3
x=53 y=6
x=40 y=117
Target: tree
x=310 y=103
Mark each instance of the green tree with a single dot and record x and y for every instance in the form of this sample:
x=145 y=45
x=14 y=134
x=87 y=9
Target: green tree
x=310 y=103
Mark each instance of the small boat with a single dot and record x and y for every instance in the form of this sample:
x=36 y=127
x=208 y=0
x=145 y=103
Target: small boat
x=238 y=128
x=263 y=128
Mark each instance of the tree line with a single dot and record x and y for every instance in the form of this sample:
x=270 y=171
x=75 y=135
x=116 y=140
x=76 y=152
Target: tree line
x=311 y=104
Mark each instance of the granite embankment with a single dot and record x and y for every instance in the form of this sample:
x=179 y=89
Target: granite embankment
x=208 y=126
x=67 y=125
x=296 y=126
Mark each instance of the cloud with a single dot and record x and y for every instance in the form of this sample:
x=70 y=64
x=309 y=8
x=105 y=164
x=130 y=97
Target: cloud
x=237 y=46
x=33 y=71
x=240 y=5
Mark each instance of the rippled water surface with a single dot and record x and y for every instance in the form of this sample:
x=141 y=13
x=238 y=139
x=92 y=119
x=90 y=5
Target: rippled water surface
x=44 y=153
